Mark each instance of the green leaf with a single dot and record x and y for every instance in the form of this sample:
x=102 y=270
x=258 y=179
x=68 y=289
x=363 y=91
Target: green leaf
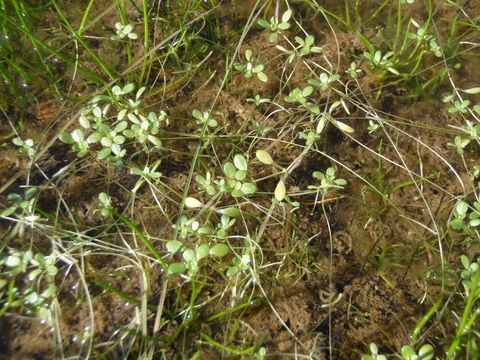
x=129 y=87
x=264 y=23
x=280 y=191
x=232 y=271
x=202 y=251
x=240 y=175
x=407 y=352
x=248 y=188
x=52 y=270
x=191 y=202
x=264 y=157
x=220 y=250
x=344 y=127
x=189 y=254
x=154 y=140
x=456 y=224
x=237 y=193
x=13 y=261
x=230 y=211
x=461 y=209
x=94 y=137
x=286 y=16
x=176 y=268
x=9 y=211
x=262 y=77
x=66 y=138
x=197 y=115
x=173 y=246
x=240 y=162
x=104 y=153
x=426 y=352
x=229 y=169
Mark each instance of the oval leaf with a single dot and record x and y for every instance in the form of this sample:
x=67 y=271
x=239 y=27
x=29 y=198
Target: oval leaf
x=176 y=268
x=191 y=202
x=220 y=250
x=264 y=157
x=173 y=246
x=231 y=211
x=280 y=191
x=240 y=162
x=344 y=127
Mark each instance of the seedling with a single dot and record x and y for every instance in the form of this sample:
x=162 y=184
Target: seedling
x=304 y=48
x=324 y=81
x=466 y=216
x=380 y=61
x=311 y=137
x=468 y=275
x=240 y=264
x=373 y=354
x=353 y=70
x=460 y=106
x=460 y=144
x=123 y=31
x=257 y=100
x=105 y=204
x=275 y=26
x=25 y=204
x=204 y=118
x=206 y=183
x=328 y=181
x=35 y=297
x=300 y=96
x=236 y=173
x=252 y=67
x=25 y=147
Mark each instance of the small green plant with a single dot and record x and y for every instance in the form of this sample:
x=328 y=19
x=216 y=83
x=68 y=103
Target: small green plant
x=310 y=137
x=300 y=96
x=379 y=61
x=25 y=147
x=373 y=353
x=39 y=270
x=328 y=180
x=239 y=264
x=260 y=129
x=25 y=204
x=460 y=143
x=459 y=106
x=353 y=70
x=204 y=118
x=251 y=67
x=105 y=204
x=325 y=80
x=429 y=39
x=407 y=353
x=124 y=31
x=100 y=124
x=192 y=256
x=275 y=26
x=236 y=173
x=257 y=100
x=466 y=217
x=305 y=47
x=206 y=183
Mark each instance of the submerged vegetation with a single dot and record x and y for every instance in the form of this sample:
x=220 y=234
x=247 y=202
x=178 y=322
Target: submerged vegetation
x=239 y=179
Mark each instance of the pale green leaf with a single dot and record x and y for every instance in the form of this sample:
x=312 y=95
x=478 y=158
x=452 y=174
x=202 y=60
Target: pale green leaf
x=280 y=191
